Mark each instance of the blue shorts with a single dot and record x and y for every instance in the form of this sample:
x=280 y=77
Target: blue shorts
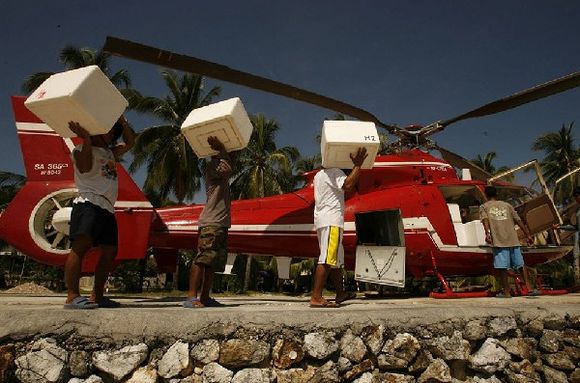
x=508 y=258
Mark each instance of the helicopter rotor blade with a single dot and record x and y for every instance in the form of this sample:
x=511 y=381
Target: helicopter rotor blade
x=145 y=53
x=457 y=161
x=537 y=92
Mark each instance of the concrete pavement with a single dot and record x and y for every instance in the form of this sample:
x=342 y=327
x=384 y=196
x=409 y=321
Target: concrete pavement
x=25 y=317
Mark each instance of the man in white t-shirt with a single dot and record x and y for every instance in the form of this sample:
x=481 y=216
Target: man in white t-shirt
x=93 y=215
x=329 y=188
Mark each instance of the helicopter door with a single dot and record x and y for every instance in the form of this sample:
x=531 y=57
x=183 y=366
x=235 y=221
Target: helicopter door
x=380 y=251
x=539 y=214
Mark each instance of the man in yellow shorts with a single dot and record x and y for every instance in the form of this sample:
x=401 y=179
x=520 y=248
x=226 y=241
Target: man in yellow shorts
x=329 y=188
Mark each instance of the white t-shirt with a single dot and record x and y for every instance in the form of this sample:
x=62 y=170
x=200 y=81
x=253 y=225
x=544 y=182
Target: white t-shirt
x=99 y=185
x=329 y=198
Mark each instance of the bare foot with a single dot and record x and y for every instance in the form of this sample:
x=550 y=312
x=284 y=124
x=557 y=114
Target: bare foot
x=322 y=303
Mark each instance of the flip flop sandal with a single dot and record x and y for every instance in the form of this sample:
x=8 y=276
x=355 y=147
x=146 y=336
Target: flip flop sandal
x=109 y=303
x=213 y=303
x=193 y=303
x=80 y=303
x=347 y=296
x=324 y=305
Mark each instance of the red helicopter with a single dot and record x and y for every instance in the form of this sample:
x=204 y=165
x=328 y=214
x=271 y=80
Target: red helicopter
x=410 y=216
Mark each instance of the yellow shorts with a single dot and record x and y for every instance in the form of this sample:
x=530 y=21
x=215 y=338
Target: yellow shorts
x=330 y=242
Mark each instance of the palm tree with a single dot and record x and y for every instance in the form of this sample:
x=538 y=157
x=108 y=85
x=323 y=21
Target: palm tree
x=73 y=58
x=10 y=183
x=560 y=153
x=262 y=169
x=306 y=164
x=172 y=167
x=485 y=162
x=303 y=165
x=560 y=157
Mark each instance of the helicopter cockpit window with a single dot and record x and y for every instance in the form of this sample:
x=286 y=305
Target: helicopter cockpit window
x=514 y=196
x=467 y=198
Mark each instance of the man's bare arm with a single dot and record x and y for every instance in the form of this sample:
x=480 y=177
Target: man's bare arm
x=128 y=139
x=352 y=179
x=83 y=157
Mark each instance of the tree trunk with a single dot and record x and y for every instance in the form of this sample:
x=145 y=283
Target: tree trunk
x=248 y=272
x=576 y=253
x=142 y=268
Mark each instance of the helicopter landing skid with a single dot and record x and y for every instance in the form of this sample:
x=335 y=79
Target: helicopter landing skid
x=522 y=290
x=448 y=292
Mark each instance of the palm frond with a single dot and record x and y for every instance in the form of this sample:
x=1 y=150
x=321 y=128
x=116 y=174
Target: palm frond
x=34 y=80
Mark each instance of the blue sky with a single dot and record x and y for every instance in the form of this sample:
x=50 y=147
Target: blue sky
x=407 y=61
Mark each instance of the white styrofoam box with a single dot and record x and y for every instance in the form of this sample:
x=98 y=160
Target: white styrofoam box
x=341 y=138
x=83 y=95
x=476 y=227
x=462 y=237
x=227 y=120
x=454 y=211
x=470 y=233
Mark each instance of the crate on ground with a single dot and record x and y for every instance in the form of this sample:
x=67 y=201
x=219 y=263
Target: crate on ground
x=227 y=120
x=339 y=139
x=84 y=95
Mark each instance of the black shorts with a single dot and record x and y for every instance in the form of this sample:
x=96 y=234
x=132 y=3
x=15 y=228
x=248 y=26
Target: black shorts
x=95 y=222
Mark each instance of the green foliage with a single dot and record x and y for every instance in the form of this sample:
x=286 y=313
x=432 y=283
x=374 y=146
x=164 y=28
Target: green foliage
x=557 y=274
x=10 y=183
x=485 y=162
x=262 y=169
x=128 y=276
x=16 y=269
x=172 y=167
x=560 y=157
x=184 y=260
x=73 y=58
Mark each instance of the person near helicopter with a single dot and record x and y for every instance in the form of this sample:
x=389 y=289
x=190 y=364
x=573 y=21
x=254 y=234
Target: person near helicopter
x=93 y=220
x=330 y=185
x=499 y=219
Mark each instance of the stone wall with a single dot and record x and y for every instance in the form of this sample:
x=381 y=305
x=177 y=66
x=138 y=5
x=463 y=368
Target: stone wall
x=489 y=349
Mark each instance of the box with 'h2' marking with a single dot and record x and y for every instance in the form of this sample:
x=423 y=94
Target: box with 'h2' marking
x=340 y=139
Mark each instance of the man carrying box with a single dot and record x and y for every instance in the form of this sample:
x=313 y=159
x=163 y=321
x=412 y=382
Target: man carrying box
x=93 y=215
x=214 y=222
x=329 y=188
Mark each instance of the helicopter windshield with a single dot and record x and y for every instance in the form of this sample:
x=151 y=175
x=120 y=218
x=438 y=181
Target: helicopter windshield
x=468 y=198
